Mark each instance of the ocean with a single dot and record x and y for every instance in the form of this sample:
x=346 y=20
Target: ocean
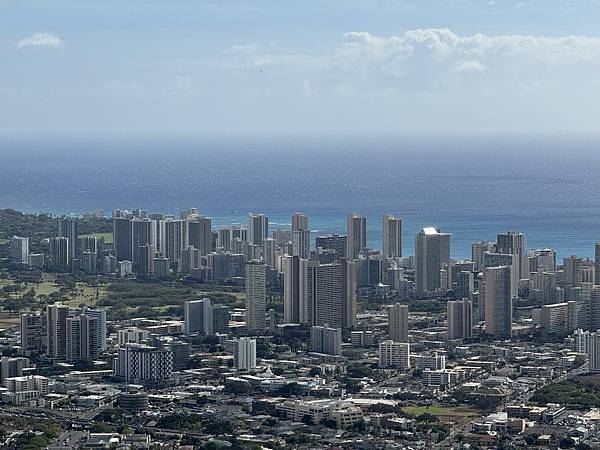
x=472 y=187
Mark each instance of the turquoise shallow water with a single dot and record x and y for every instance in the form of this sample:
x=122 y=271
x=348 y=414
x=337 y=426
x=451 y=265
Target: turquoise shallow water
x=473 y=187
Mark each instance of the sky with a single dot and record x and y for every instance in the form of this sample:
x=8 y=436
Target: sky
x=309 y=66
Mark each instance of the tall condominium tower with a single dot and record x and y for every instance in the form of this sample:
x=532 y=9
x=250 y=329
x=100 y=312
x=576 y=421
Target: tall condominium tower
x=269 y=252
x=398 y=322
x=460 y=319
x=123 y=239
x=175 y=237
x=513 y=243
x=478 y=250
x=392 y=236
x=511 y=260
x=357 y=235
x=329 y=293
x=199 y=234
x=597 y=261
x=69 y=228
x=33 y=333
x=256 y=296
x=300 y=236
x=432 y=251
x=244 y=353
x=59 y=252
x=258 y=228
x=198 y=316
x=56 y=326
x=143 y=232
x=498 y=302
x=99 y=314
x=294 y=310
x=19 y=250
x=336 y=242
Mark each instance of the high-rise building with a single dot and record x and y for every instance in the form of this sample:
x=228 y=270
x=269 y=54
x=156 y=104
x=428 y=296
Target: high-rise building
x=198 y=316
x=258 y=228
x=123 y=239
x=59 y=252
x=432 y=251
x=300 y=236
x=513 y=243
x=572 y=270
x=186 y=213
x=88 y=262
x=36 y=260
x=226 y=236
x=392 y=236
x=357 y=235
x=34 y=333
x=588 y=342
x=597 y=261
x=545 y=259
x=199 y=234
x=11 y=367
x=324 y=339
x=505 y=259
x=244 y=353
x=336 y=242
x=89 y=244
x=588 y=306
x=460 y=319
x=220 y=315
x=294 y=309
x=498 y=302
x=145 y=263
x=19 y=250
x=175 y=237
x=398 y=322
x=56 y=325
x=269 y=252
x=90 y=336
x=478 y=250
x=559 y=318
x=465 y=284
x=256 y=296
x=100 y=315
x=143 y=243
x=394 y=355
x=73 y=339
x=142 y=364
x=69 y=228
x=329 y=293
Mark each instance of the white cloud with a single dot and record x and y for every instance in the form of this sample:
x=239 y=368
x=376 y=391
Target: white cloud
x=432 y=59
x=40 y=40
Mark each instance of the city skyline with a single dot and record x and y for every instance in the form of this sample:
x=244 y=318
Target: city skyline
x=337 y=224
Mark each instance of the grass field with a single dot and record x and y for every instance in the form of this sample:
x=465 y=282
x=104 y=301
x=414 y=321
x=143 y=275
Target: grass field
x=83 y=294
x=444 y=413
x=108 y=237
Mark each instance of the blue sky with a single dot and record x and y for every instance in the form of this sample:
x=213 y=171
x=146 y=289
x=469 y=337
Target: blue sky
x=330 y=66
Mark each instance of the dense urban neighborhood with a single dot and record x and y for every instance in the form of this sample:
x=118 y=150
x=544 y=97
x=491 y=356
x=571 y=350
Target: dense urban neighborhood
x=155 y=331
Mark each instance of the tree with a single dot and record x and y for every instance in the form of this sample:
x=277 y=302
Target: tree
x=306 y=419
x=101 y=427
x=566 y=442
x=237 y=387
x=427 y=417
x=329 y=423
x=530 y=439
x=315 y=371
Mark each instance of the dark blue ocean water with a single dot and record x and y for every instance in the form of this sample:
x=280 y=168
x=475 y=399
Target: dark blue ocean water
x=473 y=187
